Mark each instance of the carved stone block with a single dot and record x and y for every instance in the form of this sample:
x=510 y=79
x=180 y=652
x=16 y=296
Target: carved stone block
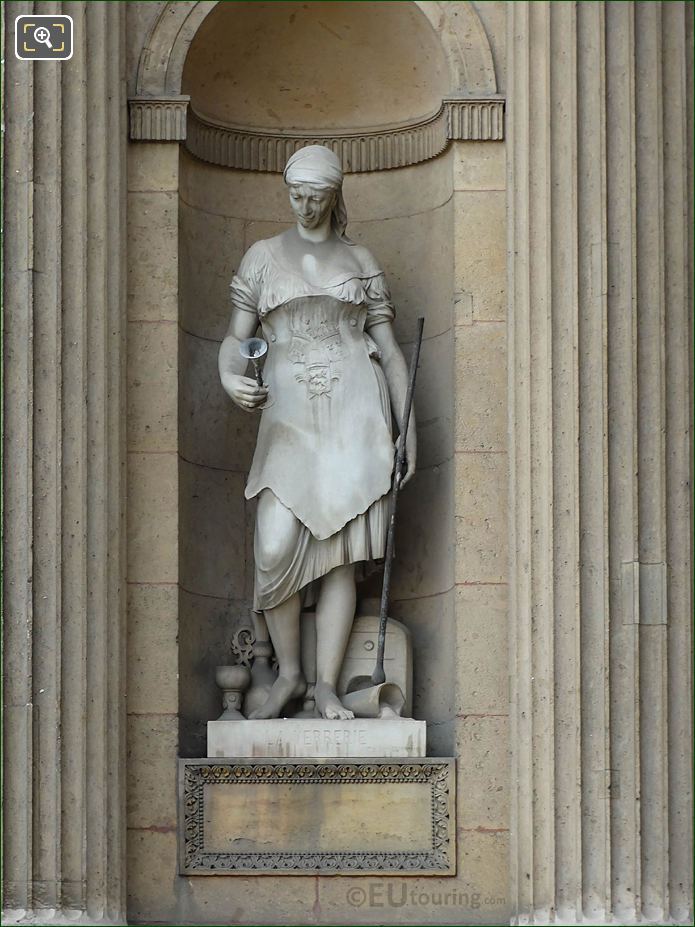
x=158 y=119
x=299 y=816
x=317 y=738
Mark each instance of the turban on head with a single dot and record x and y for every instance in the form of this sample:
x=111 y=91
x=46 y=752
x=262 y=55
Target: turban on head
x=314 y=164
x=319 y=166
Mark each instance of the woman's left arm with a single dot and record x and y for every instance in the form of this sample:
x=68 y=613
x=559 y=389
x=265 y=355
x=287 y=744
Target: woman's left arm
x=396 y=373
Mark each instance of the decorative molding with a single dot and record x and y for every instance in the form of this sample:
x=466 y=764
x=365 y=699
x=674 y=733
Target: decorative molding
x=242 y=643
x=475 y=120
x=158 y=119
x=374 y=149
x=160 y=68
x=196 y=776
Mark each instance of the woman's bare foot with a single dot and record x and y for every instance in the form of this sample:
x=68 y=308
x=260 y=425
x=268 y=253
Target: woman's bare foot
x=329 y=705
x=284 y=688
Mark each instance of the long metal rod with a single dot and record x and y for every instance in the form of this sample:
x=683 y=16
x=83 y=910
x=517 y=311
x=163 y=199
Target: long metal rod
x=378 y=676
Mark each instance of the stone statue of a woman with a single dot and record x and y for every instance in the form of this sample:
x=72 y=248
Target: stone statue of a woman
x=324 y=458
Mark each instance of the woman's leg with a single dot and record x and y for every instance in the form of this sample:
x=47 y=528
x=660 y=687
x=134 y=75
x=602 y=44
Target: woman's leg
x=283 y=624
x=277 y=532
x=335 y=612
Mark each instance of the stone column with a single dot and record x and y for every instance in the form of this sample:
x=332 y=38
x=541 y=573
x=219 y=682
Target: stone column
x=599 y=340
x=64 y=847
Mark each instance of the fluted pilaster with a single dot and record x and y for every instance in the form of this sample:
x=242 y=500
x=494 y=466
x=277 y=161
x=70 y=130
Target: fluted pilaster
x=599 y=380
x=64 y=451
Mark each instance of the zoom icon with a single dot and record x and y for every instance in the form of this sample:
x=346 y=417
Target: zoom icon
x=43 y=38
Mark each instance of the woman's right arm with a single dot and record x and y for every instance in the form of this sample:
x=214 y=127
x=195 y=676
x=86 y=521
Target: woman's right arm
x=244 y=391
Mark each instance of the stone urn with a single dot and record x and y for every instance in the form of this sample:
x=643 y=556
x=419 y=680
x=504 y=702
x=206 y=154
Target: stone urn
x=233 y=681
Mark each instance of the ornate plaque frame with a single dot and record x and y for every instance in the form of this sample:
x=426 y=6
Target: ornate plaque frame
x=437 y=775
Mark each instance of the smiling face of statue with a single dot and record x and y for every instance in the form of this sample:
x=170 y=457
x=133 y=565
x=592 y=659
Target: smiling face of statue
x=311 y=205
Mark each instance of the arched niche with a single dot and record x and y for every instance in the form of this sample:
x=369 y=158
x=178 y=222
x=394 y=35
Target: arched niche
x=444 y=87
x=456 y=24
x=296 y=67
x=406 y=218
x=437 y=227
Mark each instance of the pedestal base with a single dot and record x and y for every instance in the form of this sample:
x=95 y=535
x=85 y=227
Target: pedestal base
x=317 y=738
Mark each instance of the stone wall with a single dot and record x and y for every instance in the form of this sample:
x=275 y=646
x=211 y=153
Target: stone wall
x=600 y=230
x=438 y=229
x=546 y=546
x=64 y=494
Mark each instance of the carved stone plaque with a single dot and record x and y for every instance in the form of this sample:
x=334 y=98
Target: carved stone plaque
x=297 y=816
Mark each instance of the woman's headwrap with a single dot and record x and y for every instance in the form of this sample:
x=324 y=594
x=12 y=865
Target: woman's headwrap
x=319 y=166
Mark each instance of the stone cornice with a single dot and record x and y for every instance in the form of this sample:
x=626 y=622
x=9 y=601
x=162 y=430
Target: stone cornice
x=479 y=120
x=367 y=150
x=158 y=119
x=372 y=149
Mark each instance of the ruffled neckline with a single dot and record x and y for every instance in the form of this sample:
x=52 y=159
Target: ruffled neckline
x=279 y=282
x=339 y=279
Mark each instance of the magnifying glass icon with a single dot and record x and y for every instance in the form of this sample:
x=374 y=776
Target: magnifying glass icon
x=43 y=35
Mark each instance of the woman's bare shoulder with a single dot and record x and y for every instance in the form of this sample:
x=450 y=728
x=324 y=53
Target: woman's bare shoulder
x=368 y=264
x=256 y=255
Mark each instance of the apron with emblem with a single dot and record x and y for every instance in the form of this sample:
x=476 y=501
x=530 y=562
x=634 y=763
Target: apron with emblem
x=324 y=444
